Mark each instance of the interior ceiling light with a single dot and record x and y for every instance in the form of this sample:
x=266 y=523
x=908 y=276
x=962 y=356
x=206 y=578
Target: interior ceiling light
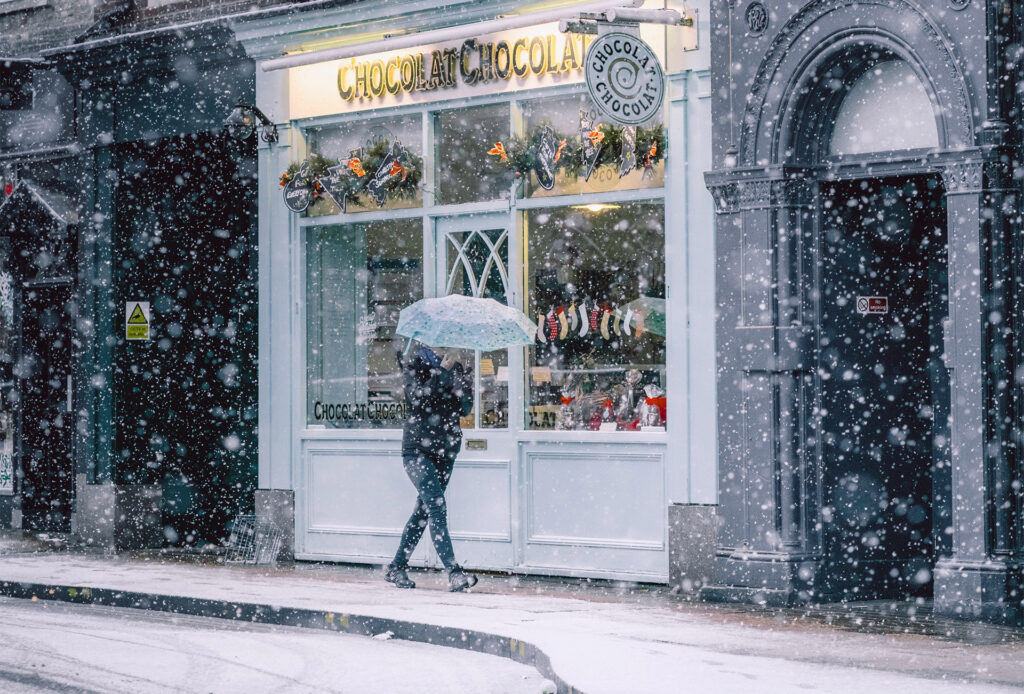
x=596 y=207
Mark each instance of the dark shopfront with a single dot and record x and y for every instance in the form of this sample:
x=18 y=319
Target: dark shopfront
x=866 y=300
x=157 y=433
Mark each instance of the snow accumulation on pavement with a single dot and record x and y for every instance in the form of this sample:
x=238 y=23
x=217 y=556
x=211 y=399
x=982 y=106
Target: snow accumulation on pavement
x=113 y=650
x=595 y=645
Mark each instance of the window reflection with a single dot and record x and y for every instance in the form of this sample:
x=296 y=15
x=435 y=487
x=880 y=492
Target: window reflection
x=464 y=173
x=359 y=277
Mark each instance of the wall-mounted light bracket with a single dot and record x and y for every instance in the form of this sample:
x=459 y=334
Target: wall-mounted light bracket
x=244 y=120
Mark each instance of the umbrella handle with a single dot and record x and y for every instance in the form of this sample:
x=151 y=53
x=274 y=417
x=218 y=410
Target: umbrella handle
x=408 y=346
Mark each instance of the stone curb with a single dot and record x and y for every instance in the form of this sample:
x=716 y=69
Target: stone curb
x=479 y=641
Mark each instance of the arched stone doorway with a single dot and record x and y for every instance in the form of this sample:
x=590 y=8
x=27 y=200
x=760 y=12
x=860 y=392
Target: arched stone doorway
x=821 y=494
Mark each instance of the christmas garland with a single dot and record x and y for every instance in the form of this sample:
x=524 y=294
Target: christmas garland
x=384 y=170
x=581 y=153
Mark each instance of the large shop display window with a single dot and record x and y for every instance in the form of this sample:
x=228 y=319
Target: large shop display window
x=595 y=280
x=358 y=278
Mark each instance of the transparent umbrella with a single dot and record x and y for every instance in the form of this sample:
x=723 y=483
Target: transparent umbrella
x=466 y=322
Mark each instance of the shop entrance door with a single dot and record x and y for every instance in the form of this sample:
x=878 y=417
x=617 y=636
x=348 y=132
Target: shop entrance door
x=884 y=385
x=472 y=258
x=46 y=415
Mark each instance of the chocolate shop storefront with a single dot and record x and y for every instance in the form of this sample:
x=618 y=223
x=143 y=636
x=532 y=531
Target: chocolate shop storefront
x=477 y=164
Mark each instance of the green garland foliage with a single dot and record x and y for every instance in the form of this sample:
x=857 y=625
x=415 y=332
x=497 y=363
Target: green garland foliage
x=521 y=158
x=317 y=164
x=351 y=183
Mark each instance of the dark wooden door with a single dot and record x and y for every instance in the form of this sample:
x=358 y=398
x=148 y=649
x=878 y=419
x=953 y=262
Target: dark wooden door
x=884 y=388
x=186 y=399
x=44 y=370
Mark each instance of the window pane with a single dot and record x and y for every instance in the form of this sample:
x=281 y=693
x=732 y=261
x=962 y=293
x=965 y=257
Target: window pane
x=623 y=161
x=886 y=108
x=477 y=263
x=464 y=172
x=493 y=394
x=369 y=141
x=596 y=286
x=358 y=278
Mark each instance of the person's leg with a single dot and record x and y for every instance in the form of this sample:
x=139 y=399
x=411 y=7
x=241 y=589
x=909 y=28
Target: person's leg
x=444 y=466
x=424 y=475
x=458 y=579
x=410 y=536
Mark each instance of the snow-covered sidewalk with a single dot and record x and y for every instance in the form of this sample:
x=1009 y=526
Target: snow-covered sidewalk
x=597 y=641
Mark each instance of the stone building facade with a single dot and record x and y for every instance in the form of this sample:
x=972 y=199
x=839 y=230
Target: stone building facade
x=866 y=175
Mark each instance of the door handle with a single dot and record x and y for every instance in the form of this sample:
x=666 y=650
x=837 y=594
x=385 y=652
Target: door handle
x=68 y=402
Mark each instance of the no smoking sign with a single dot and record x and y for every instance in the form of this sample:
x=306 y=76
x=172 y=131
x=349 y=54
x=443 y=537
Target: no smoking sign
x=872 y=304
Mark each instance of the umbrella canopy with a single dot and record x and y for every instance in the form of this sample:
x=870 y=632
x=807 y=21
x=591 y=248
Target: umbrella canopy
x=653 y=311
x=466 y=322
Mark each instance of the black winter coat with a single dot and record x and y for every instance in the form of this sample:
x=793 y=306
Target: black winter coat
x=435 y=399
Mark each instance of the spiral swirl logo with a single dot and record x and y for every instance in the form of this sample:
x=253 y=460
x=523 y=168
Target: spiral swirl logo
x=625 y=78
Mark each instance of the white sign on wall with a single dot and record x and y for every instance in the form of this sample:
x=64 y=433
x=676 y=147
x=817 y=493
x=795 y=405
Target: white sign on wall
x=624 y=78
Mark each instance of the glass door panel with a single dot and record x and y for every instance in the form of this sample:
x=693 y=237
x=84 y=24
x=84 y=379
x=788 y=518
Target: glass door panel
x=476 y=264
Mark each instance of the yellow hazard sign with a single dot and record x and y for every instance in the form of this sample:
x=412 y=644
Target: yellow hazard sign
x=137 y=320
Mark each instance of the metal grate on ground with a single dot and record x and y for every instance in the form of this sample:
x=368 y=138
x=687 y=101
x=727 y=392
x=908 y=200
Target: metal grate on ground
x=253 y=540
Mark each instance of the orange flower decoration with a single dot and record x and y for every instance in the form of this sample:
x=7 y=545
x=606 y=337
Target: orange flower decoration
x=398 y=168
x=499 y=150
x=596 y=136
x=356 y=166
x=285 y=178
x=654 y=148
x=558 y=154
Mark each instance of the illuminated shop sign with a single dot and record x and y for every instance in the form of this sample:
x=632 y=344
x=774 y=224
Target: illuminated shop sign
x=536 y=57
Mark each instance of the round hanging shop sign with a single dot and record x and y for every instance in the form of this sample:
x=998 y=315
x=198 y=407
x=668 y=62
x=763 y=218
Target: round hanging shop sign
x=624 y=78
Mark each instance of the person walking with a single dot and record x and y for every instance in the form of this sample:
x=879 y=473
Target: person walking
x=437 y=394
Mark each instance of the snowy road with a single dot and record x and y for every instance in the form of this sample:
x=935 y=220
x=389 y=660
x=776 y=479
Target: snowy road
x=57 y=647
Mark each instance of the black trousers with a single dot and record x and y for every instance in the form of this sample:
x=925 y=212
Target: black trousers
x=430 y=476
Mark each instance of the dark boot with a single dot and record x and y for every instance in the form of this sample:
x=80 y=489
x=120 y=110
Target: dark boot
x=459 y=580
x=398 y=576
